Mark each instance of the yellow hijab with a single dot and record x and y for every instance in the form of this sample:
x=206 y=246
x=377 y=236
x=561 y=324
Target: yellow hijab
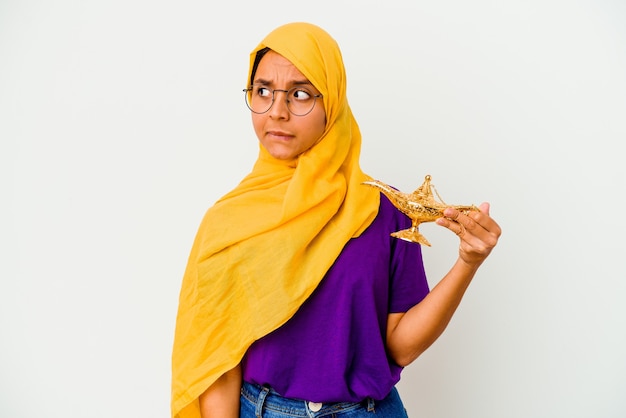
x=262 y=249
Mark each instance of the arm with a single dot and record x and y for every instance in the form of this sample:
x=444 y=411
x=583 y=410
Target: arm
x=410 y=334
x=221 y=399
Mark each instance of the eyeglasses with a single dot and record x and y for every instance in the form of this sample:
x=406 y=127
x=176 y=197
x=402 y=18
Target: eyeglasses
x=300 y=100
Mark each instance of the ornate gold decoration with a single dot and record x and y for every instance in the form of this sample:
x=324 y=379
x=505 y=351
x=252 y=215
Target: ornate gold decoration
x=420 y=206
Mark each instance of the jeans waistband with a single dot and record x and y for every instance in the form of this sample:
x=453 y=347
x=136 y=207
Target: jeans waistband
x=267 y=398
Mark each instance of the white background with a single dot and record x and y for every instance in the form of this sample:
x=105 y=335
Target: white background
x=122 y=121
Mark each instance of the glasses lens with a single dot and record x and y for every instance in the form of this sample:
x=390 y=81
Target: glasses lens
x=300 y=101
x=259 y=99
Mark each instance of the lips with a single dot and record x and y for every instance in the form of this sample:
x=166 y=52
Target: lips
x=280 y=135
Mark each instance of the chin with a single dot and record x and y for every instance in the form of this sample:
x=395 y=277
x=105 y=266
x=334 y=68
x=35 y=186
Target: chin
x=283 y=157
x=282 y=154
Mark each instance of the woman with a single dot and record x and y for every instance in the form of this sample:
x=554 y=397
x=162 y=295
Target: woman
x=295 y=298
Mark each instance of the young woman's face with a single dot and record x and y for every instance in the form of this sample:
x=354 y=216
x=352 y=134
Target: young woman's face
x=282 y=134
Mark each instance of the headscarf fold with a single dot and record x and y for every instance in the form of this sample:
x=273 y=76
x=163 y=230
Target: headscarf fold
x=263 y=248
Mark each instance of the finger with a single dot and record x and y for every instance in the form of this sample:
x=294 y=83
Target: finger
x=484 y=219
x=451 y=213
x=461 y=218
x=455 y=225
x=484 y=207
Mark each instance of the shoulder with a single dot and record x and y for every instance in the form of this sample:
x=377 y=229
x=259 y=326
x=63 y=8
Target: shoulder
x=388 y=210
x=388 y=219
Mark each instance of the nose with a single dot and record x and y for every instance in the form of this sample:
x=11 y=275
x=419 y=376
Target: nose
x=279 y=109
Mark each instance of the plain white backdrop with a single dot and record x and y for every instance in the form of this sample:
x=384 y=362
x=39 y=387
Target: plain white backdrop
x=121 y=122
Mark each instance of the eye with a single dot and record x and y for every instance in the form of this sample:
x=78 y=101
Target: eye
x=263 y=92
x=301 y=94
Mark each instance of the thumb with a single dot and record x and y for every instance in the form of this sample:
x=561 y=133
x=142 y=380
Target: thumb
x=484 y=207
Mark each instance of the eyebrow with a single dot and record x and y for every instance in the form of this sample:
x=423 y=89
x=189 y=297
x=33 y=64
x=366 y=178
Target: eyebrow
x=294 y=83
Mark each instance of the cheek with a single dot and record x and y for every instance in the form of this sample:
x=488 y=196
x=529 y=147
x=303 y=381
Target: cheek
x=316 y=120
x=320 y=124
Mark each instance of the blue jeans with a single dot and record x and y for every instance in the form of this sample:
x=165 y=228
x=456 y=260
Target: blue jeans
x=262 y=402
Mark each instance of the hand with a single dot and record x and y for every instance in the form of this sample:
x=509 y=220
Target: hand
x=477 y=231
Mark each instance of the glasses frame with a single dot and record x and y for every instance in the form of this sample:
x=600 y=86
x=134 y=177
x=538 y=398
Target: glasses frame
x=249 y=89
